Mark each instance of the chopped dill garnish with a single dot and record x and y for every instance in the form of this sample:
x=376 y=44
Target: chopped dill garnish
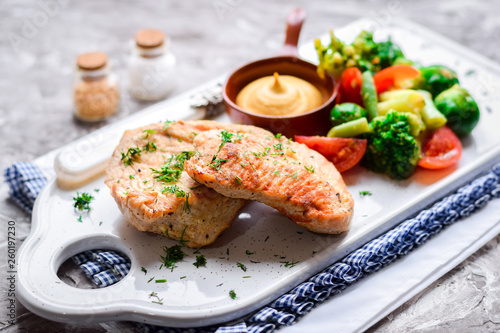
x=182 y=277
x=200 y=261
x=167 y=123
x=240 y=265
x=131 y=155
x=131 y=177
x=249 y=253
x=82 y=201
x=173 y=255
x=174 y=189
x=232 y=294
x=182 y=241
x=148 y=132
x=186 y=207
x=278 y=146
x=151 y=279
x=216 y=164
x=246 y=277
x=172 y=169
x=226 y=137
x=276 y=172
x=80 y=219
x=365 y=193
x=149 y=147
x=310 y=169
x=278 y=136
x=258 y=154
x=289 y=264
x=252 y=167
x=159 y=300
x=161 y=281
x=294 y=175
x=144 y=270
x=265 y=240
x=238 y=179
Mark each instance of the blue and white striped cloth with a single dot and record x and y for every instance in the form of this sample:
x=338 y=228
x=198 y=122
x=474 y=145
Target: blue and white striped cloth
x=107 y=267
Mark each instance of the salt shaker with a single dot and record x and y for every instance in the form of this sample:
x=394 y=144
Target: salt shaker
x=151 y=65
x=95 y=91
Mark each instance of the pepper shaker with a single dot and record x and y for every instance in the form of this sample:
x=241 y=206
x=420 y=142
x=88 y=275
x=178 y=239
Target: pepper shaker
x=95 y=91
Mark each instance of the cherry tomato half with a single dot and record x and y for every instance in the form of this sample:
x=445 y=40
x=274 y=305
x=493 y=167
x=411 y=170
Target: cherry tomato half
x=344 y=153
x=441 y=150
x=350 y=86
x=394 y=76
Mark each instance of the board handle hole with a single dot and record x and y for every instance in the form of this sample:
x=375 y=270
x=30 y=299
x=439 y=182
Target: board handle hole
x=94 y=262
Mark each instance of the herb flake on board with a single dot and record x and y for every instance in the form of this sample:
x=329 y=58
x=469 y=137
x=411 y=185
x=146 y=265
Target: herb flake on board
x=82 y=201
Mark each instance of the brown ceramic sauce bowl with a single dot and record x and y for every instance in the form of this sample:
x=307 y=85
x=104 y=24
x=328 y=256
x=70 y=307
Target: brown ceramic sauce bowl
x=313 y=122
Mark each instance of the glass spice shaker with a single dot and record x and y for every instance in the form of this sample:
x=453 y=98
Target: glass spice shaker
x=96 y=92
x=151 y=65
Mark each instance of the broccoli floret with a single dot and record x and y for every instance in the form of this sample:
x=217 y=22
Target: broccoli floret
x=388 y=53
x=391 y=149
x=375 y=56
x=345 y=112
x=363 y=53
x=435 y=79
x=459 y=108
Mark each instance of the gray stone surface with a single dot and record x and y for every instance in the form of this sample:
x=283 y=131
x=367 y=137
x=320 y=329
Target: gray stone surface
x=40 y=39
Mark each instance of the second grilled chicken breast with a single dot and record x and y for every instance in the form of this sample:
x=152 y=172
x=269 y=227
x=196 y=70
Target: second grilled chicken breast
x=254 y=164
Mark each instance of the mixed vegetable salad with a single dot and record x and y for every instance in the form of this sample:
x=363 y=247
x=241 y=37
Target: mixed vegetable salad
x=392 y=114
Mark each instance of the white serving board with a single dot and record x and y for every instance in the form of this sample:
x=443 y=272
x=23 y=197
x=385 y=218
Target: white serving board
x=196 y=297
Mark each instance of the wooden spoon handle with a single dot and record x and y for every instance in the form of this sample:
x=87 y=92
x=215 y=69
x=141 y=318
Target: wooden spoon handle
x=294 y=23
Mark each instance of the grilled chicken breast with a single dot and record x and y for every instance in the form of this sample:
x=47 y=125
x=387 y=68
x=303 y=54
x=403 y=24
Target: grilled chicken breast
x=297 y=181
x=147 y=181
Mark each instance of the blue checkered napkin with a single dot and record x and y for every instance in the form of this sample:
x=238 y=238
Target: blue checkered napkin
x=25 y=181
x=104 y=268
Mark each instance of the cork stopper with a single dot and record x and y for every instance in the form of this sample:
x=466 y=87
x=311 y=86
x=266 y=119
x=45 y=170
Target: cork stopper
x=149 y=38
x=92 y=60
